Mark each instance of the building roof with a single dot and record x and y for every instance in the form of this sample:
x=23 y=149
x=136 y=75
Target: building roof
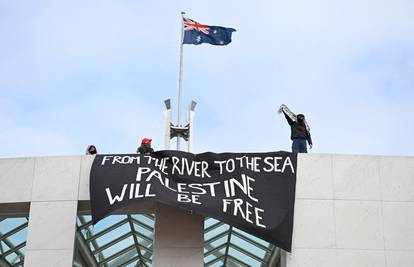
x=127 y=240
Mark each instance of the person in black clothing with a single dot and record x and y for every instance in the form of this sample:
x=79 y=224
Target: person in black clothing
x=299 y=130
x=91 y=150
x=145 y=147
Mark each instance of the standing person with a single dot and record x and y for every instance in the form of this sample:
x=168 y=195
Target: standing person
x=145 y=147
x=299 y=130
x=91 y=150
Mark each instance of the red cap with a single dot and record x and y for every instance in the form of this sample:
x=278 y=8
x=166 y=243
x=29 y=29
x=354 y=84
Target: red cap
x=146 y=140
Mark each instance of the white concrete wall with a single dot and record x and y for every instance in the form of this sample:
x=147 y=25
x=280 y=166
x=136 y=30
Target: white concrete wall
x=44 y=179
x=350 y=210
x=51 y=185
x=353 y=211
x=179 y=238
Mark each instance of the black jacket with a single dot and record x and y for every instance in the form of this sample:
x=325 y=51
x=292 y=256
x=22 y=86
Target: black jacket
x=145 y=150
x=298 y=130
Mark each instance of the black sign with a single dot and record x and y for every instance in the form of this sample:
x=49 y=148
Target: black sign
x=254 y=192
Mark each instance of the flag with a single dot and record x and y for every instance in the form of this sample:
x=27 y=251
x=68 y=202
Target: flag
x=196 y=33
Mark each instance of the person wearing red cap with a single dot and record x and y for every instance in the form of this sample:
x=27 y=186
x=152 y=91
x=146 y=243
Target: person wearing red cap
x=145 y=147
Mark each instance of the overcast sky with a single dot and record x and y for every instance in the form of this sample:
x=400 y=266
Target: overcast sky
x=74 y=73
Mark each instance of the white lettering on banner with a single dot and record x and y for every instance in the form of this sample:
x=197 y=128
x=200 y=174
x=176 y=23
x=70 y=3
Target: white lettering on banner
x=197 y=187
x=253 y=191
x=116 y=198
x=193 y=168
x=250 y=163
x=187 y=198
x=212 y=190
x=204 y=167
x=253 y=164
x=241 y=160
x=289 y=163
x=160 y=163
x=146 y=174
x=220 y=163
x=135 y=191
x=247 y=211
x=230 y=165
x=231 y=184
x=175 y=161
x=181 y=187
x=191 y=192
x=121 y=160
x=140 y=172
x=273 y=164
x=185 y=166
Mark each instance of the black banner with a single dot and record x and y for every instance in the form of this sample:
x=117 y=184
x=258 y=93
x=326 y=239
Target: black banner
x=254 y=192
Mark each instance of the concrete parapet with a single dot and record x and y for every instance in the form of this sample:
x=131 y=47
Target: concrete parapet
x=351 y=210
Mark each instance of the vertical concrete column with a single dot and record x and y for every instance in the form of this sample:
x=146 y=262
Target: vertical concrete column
x=52 y=219
x=179 y=237
x=190 y=120
x=167 y=116
x=179 y=234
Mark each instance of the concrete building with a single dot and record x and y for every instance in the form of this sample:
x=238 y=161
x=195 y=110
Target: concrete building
x=350 y=211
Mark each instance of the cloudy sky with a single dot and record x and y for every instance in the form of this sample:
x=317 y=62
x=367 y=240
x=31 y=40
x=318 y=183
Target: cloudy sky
x=74 y=73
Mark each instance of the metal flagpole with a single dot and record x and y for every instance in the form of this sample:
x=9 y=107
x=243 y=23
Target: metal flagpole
x=167 y=214
x=180 y=79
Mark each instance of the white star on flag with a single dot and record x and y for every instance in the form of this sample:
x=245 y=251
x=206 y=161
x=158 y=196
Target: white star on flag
x=198 y=39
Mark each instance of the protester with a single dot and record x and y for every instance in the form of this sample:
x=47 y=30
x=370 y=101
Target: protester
x=299 y=130
x=91 y=150
x=145 y=147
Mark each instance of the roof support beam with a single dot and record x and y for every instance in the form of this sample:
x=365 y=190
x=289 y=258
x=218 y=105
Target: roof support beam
x=274 y=260
x=226 y=253
x=134 y=235
x=4 y=263
x=84 y=250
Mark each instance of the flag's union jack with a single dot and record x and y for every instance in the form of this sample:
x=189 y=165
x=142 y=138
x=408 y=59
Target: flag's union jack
x=190 y=25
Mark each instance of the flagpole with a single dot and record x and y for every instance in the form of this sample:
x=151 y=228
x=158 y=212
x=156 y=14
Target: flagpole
x=180 y=79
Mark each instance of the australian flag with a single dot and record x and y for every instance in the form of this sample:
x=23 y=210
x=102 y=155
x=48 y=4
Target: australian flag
x=196 y=33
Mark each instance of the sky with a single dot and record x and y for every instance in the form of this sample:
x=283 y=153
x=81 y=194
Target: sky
x=74 y=73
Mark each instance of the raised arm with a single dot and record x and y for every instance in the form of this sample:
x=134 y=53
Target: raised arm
x=289 y=120
x=288 y=114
